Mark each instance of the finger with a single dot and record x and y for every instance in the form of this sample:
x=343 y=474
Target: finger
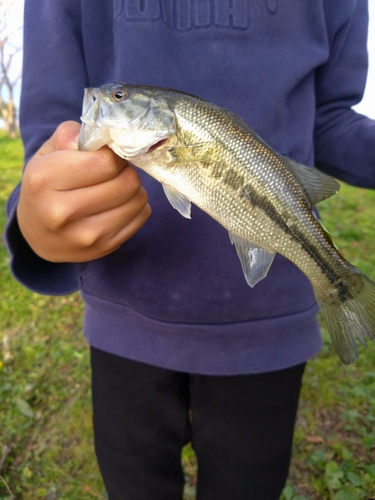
x=88 y=243
x=124 y=233
x=111 y=224
x=102 y=198
x=67 y=170
x=64 y=137
x=78 y=169
x=112 y=198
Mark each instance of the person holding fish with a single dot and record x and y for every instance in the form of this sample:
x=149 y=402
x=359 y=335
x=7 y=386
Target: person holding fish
x=187 y=343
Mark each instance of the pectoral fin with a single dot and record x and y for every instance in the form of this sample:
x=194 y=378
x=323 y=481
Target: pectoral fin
x=177 y=200
x=255 y=261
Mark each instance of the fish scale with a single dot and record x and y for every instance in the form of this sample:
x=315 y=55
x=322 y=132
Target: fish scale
x=208 y=156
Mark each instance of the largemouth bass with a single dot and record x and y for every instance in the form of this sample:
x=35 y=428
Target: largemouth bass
x=205 y=155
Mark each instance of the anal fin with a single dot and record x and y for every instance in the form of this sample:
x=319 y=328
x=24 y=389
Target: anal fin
x=255 y=261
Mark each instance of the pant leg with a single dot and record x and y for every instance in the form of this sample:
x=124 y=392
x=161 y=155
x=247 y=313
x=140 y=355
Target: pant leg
x=242 y=429
x=141 y=422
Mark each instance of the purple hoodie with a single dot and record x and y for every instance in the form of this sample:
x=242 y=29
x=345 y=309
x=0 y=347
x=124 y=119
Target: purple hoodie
x=174 y=295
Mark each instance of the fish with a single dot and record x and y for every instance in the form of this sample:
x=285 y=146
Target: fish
x=206 y=155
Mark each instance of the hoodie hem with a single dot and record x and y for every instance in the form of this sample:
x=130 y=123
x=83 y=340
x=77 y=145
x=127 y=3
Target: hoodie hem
x=246 y=347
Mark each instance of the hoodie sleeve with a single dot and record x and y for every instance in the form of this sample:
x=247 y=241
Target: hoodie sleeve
x=54 y=77
x=344 y=139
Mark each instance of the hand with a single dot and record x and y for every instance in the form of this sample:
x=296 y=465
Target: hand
x=78 y=206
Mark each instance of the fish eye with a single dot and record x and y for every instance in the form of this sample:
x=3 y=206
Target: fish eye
x=119 y=95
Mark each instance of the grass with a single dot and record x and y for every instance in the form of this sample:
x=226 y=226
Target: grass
x=46 y=449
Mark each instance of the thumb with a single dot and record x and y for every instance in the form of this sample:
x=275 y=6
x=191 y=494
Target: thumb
x=64 y=137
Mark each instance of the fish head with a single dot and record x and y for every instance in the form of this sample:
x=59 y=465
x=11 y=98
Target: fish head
x=128 y=119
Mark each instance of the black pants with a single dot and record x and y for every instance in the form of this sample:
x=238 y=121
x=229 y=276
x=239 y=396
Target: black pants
x=241 y=428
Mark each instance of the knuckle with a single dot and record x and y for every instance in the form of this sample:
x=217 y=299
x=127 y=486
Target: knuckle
x=35 y=179
x=86 y=239
x=60 y=214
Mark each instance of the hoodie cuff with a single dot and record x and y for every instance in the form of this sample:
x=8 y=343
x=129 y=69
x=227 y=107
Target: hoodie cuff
x=35 y=273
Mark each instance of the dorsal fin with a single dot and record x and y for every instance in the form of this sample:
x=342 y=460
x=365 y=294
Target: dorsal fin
x=318 y=186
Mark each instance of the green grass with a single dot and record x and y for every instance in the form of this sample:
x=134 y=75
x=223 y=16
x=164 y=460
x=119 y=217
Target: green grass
x=45 y=413
x=334 y=445
x=45 y=416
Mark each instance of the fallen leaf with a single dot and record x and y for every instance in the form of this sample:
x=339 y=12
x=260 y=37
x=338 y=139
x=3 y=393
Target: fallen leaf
x=315 y=439
x=24 y=407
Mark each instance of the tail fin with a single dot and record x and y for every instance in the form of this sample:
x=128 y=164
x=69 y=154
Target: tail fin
x=350 y=316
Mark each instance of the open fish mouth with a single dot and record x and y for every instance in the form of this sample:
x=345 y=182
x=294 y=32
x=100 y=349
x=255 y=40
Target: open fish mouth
x=157 y=145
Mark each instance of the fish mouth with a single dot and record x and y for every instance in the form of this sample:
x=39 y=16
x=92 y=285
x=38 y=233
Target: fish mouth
x=157 y=145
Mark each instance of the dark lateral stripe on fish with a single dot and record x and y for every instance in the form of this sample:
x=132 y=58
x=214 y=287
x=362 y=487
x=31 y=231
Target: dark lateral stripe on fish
x=233 y=179
x=264 y=204
x=217 y=171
